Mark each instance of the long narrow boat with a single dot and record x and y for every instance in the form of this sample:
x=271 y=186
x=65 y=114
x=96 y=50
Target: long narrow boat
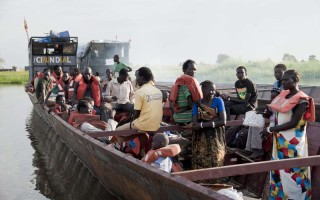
x=129 y=178
x=123 y=175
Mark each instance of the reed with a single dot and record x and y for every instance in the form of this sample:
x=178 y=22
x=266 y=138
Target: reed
x=260 y=72
x=15 y=78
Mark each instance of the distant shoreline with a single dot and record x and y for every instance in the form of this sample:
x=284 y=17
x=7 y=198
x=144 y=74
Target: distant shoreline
x=14 y=77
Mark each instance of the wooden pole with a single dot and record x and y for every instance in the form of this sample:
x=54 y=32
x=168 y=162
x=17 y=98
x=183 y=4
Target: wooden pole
x=26 y=28
x=249 y=168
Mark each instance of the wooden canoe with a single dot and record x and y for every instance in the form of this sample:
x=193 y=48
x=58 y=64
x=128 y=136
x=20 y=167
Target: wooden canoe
x=123 y=175
x=130 y=178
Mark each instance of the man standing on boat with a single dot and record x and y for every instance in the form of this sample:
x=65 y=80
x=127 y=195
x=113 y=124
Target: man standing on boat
x=65 y=82
x=43 y=87
x=57 y=81
x=33 y=83
x=57 y=75
x=75 y=77
x=88 y=86
x=119 y=65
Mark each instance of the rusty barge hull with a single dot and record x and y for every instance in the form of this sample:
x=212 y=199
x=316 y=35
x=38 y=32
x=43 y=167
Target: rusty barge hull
x=123 y=175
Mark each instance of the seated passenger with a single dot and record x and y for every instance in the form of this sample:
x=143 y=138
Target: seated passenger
x=97 y=75
x=86 y=122
x=74 y=109
x=184 y=92
x=254 y=141
x=161 y=152
x=105 y=80
x=148 y=108
x=61 y=108
x=120 y=94
x=60 y=105
x=148 y=104
x=167 y=110
x=56 y=90
x=134 y=83
x=246 y=98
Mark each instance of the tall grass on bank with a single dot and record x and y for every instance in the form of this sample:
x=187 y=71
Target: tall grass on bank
x=18 y=78
x=260 y=72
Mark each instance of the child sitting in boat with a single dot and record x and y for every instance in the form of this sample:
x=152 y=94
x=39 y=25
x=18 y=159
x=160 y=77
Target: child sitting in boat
x=161 y=153
x=61 y=108
x=74 y=109
x=86 y=122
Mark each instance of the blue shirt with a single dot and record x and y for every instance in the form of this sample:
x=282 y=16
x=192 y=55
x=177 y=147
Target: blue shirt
x=217 y=104
x=278 y=85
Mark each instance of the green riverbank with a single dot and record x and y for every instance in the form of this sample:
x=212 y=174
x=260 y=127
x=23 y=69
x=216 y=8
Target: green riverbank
x=260 y=72
x=15 y=78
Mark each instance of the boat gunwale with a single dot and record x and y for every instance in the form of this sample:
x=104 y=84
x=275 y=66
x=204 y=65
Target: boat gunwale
x=184 y=178
x=199 y=191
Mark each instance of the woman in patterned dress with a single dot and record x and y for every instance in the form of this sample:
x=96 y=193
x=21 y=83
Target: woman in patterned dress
x=292 y=109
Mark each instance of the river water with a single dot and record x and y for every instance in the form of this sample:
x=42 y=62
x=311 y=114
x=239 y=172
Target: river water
x=34 y=163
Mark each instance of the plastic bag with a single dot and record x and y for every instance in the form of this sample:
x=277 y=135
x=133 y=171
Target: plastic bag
x=253 y=119
x=231 y=193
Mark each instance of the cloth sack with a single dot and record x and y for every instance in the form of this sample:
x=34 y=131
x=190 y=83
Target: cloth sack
x=253 y=119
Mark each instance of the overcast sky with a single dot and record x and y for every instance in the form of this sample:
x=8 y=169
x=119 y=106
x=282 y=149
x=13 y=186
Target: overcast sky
x=169 y=31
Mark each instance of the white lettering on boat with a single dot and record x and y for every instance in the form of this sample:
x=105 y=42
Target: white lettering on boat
x=38 y=60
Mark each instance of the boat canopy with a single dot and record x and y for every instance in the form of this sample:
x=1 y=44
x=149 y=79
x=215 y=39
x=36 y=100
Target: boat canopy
x=54 y=49
x=98 y=54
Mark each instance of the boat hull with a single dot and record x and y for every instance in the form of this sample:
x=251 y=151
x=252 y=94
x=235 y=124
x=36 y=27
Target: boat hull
x=121 y=174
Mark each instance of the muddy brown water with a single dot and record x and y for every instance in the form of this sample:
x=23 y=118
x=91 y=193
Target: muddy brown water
x=34 y=162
